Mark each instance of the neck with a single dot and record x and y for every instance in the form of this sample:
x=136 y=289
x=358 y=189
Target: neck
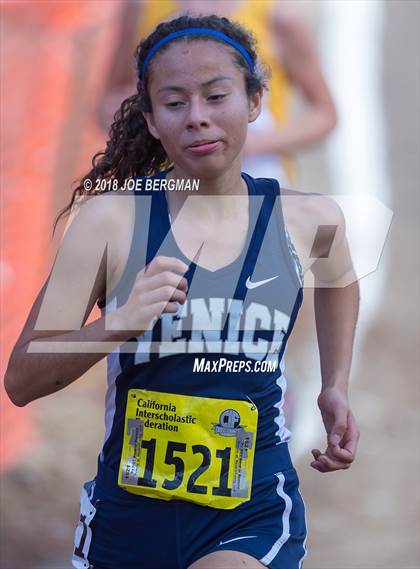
x=228 y=185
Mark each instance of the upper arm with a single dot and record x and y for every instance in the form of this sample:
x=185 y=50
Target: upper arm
x=317 y=227
x=299 y=57
x=78 y=276
x=333 y=265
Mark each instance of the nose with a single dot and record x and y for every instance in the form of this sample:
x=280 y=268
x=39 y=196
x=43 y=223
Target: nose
x=197 y=113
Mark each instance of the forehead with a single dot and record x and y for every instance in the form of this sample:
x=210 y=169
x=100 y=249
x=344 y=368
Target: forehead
x=192 y=61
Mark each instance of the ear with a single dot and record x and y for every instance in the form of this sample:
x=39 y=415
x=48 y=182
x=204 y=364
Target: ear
x=254 y=105
x=148 y=117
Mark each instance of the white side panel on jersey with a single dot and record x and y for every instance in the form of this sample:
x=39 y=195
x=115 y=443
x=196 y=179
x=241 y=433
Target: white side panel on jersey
x=297 y=265
x=282 y=432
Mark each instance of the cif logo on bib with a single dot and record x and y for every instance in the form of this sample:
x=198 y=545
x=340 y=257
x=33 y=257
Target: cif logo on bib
x=228 y=424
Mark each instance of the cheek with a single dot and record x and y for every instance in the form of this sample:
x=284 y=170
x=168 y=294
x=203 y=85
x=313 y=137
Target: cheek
x=235 y=116
x=235 y=124
x=168 y=127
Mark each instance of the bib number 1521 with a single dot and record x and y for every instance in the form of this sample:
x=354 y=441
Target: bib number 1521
x=172 y=447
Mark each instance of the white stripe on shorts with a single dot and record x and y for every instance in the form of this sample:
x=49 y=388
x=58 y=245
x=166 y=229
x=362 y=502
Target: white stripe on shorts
x=268 y=558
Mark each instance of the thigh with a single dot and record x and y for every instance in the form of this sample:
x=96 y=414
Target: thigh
x=270 y=529
x=223 y=559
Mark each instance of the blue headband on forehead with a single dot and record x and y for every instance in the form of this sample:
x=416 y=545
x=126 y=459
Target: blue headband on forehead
x=197 y=31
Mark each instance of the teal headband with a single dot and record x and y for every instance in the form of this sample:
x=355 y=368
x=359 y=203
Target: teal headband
x=197 y=31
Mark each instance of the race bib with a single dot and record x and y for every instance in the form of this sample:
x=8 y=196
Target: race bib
x=199 y=449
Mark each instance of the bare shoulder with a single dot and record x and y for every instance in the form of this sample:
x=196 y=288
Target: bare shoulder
x=106 y=214
x=311 y=209
x=323 y=208
x=104 y=208
x=106 y=219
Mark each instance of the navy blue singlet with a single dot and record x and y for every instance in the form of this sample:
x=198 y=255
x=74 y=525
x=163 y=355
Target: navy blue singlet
x=243 y=312
x=264 y=316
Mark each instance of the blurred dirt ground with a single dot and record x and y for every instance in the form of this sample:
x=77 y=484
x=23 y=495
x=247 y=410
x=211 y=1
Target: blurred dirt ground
x=364 y=518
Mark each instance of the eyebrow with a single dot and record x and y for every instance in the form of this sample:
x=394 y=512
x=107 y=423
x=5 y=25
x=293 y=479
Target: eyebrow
x=206 y=84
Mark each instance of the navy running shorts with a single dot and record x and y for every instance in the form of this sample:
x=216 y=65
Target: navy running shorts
x=119 y=529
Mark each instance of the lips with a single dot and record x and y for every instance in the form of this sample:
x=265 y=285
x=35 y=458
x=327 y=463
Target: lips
x=204 y=147
x=201 y=142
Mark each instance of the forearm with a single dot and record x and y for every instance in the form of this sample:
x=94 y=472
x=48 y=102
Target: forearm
x=311 y=127
x=336 y=311
x=38 y=368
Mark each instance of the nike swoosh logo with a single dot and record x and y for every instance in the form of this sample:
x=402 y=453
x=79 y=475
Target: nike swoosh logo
x=250 y=284
x=235 y=539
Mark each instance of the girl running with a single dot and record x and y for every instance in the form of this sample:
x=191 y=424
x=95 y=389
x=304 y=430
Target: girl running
x=199 y=291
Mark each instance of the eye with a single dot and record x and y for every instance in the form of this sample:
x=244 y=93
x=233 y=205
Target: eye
x=177 y=104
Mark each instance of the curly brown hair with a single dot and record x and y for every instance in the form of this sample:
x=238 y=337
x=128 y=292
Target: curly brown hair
x=131 y=150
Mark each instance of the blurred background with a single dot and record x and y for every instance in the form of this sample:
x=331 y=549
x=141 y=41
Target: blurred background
x=346 y=79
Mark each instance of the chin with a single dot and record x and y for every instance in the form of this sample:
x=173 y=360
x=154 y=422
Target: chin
x=209 y=167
